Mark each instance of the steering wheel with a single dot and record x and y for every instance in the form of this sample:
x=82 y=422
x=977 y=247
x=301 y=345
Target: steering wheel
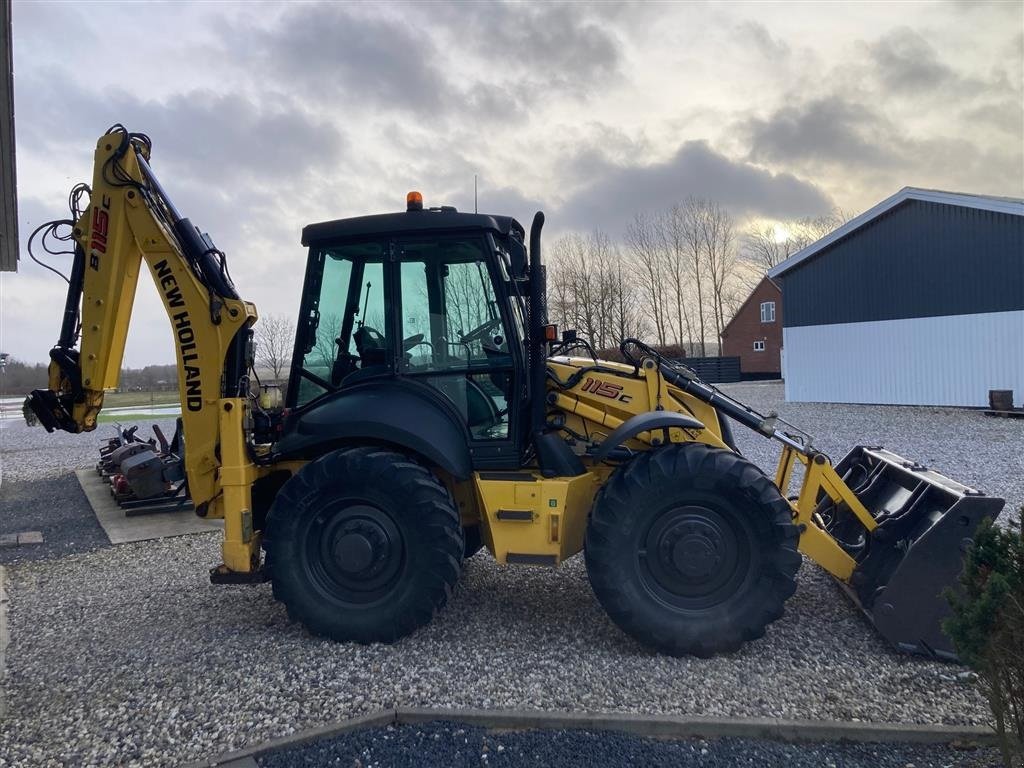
x=414 y=341
x=480 y=331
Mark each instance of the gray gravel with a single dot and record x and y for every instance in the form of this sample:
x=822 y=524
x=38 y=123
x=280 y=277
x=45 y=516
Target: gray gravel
x=128 y=656
x=39 y=491
x=983 y=452
x=31 y=453
x=445 y=745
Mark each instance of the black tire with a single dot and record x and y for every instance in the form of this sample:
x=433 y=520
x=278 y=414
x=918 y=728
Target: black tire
x=724 y=546
x=364 y=545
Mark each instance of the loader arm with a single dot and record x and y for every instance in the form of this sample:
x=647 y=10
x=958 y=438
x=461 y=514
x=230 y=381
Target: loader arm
x=129 y=220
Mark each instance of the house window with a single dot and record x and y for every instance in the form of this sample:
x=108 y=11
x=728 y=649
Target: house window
x=767 y=311
x=759 y=345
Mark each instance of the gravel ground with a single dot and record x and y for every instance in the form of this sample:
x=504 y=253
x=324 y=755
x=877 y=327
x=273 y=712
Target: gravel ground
x=443 y=744
x=39 y=491
x=983 y=452
x=32 y=453
x=128 y=656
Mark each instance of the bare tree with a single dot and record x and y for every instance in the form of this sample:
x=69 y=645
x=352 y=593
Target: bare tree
x=568 y=287
x=687 y=217
x=768 y=245
x=626 y=320
x=275 y=337
x=589 y=290
x=326 y=346
x=717 y=249
x=643 y=240
x=675 y=263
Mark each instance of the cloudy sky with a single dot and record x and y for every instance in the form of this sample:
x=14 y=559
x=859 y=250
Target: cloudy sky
x=266 y=117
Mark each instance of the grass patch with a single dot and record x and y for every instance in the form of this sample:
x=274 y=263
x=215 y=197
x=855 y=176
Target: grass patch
x=128 y=399
x=125 y=418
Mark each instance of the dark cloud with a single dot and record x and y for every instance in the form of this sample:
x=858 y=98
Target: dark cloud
x=331 y=53
x=219 y=136
x=758 y=36
x=211 y=136
x=509 y=55
x=828 y=129
x=907 y=62
x=500 y=200
x=617 y=191
x=1006 y=116
x=553 y=46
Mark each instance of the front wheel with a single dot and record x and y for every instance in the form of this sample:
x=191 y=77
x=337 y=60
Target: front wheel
x=692 y=550
x=365 y=545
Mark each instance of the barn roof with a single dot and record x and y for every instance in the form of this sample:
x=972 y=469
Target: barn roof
x=1010 y=205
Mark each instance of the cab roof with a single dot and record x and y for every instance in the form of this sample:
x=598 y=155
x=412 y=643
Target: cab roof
x=409 y=222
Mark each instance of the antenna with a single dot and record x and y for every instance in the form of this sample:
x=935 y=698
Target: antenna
x=475 y=210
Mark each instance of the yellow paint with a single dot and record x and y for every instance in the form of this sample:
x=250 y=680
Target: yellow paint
x=557 y=510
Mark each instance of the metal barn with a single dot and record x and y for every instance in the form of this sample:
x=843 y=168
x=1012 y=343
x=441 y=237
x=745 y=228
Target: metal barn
x=918 y=301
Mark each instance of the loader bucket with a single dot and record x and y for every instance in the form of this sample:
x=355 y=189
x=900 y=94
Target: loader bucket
x=925 y=524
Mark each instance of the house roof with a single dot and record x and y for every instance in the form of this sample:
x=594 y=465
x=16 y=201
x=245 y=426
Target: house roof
x=747 y=301
x=1010 y=205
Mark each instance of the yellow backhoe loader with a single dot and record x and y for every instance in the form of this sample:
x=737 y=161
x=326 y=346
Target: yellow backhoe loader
x=432 y=410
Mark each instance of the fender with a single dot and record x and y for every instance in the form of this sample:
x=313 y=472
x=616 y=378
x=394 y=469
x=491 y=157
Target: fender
x=644 y=422
x=382 y=411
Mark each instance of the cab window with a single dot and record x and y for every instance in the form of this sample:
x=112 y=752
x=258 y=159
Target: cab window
x=345 y=321
x=453 y=333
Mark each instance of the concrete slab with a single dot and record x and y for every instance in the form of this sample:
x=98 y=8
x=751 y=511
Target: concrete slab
x=30 y=537
x=122 y=530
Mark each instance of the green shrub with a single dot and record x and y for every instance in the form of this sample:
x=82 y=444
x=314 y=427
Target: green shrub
x=987 y=627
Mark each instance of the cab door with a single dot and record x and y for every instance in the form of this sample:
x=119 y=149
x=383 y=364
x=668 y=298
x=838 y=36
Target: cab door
x=455 y=337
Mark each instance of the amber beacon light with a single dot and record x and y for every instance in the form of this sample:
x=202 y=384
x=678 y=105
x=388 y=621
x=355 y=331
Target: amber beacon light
x=414 y=201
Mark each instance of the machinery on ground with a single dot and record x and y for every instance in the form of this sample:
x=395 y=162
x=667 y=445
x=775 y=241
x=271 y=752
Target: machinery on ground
x=146 y=476
x=432 y=410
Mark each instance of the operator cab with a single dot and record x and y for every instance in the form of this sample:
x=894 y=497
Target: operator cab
x=428 y=297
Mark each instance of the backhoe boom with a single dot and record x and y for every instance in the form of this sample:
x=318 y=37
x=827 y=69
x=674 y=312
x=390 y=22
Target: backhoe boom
x=130 y=219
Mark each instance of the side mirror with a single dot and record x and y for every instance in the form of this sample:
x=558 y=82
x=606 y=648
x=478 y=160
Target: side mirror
x=517 y=259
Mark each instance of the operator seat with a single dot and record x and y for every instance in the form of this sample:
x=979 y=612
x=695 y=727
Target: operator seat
x=371 y=346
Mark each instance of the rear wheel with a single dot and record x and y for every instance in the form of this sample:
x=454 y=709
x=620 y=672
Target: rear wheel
x=365 y=545
x=692 y=550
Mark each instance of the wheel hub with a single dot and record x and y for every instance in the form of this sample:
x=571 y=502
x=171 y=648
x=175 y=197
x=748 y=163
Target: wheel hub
x=692 y=557
x=695 y=553
x=359 y=550
x=354 y=552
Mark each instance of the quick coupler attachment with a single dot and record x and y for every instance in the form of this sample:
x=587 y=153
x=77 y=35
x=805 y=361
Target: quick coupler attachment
x=925 y=525
x=51 y=410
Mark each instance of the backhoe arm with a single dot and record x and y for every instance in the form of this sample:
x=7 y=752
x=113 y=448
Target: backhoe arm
x=131 y=219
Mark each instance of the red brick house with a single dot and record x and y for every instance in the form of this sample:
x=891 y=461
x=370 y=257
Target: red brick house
x=754 y=334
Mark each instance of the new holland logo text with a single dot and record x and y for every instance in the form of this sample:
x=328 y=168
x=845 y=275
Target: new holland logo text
x=605 y=389
x=100 y=230
x=185 y=334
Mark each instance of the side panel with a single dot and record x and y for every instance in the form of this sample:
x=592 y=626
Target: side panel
x=953 y=360
x=920 y=259
x=530 y=520
x=600 y=401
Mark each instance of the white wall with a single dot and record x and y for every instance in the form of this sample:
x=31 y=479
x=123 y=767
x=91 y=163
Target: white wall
x=952 y=360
